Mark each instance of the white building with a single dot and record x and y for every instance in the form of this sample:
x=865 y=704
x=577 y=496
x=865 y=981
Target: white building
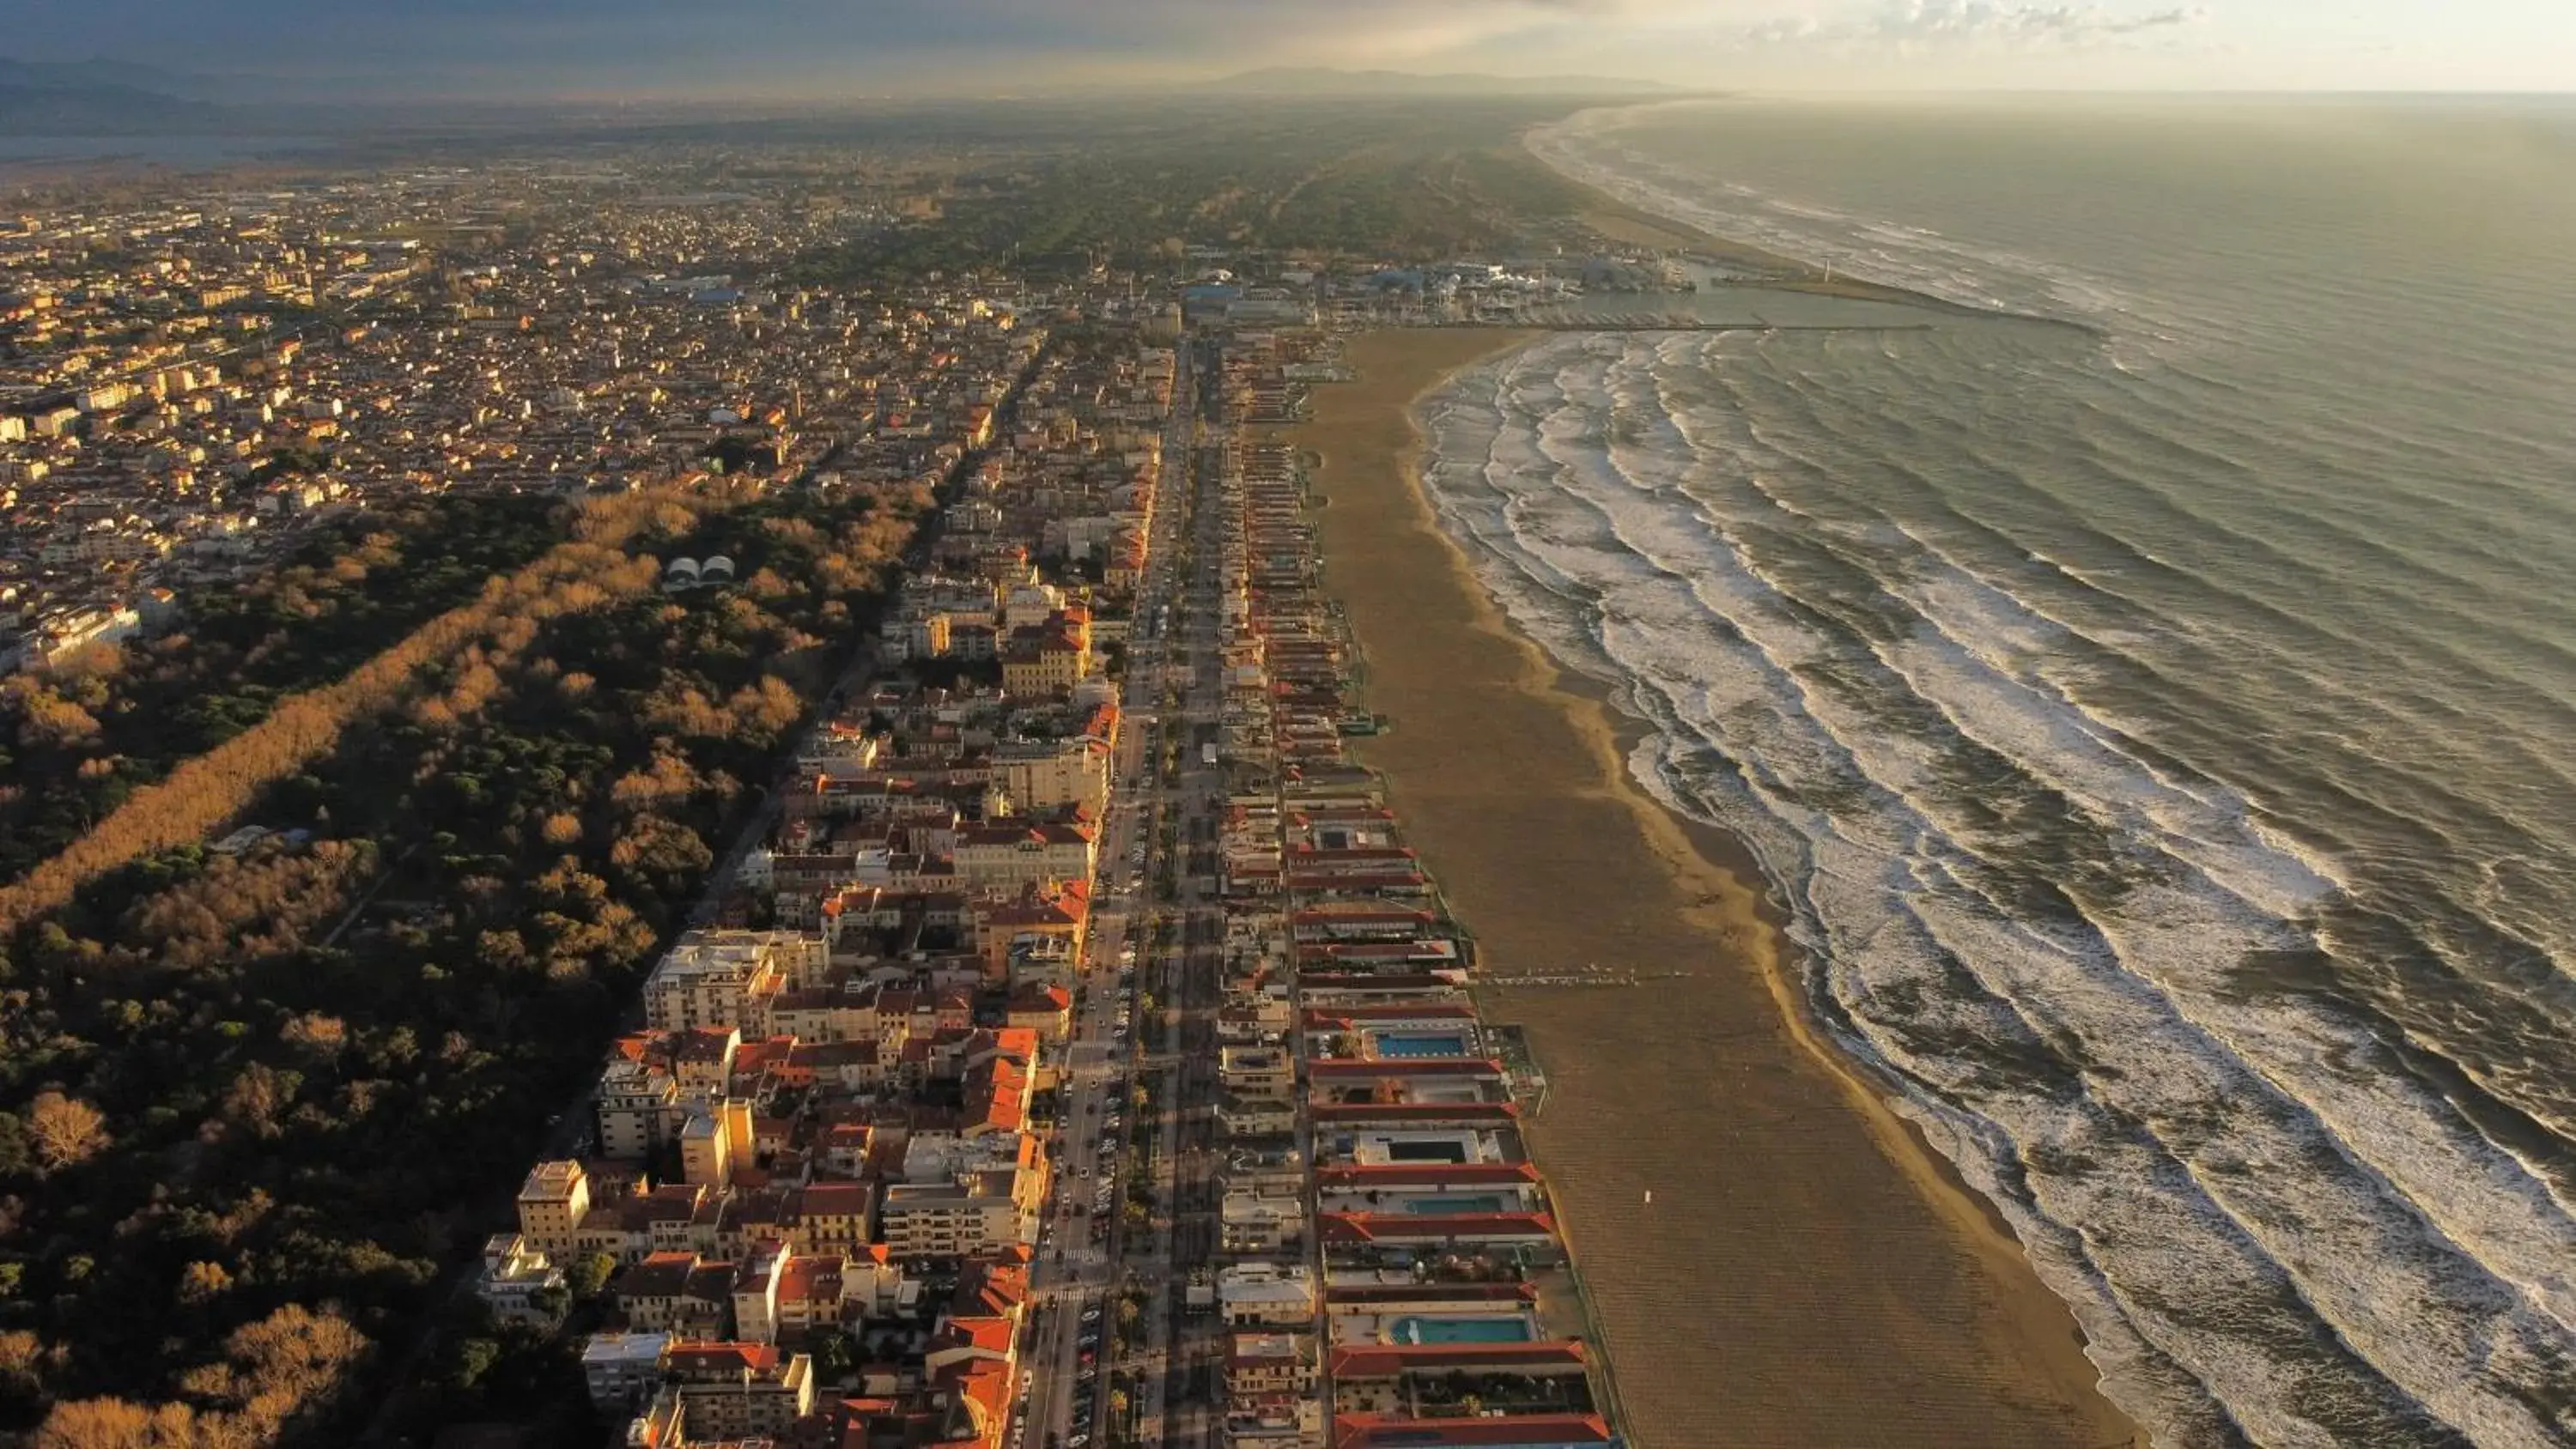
x=1253 y=1294
x=514 y=1275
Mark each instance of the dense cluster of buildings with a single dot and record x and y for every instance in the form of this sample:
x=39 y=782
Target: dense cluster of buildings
x=1392 y=1273
x=188 y=381
x=187 y=384
x=813 y=1186
x=821 y=1171
x=817 y=1173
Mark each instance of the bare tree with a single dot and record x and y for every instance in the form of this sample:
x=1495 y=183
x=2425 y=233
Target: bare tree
x=66 y=1130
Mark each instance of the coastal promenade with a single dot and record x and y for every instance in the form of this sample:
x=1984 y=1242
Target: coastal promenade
x=1774 y=1258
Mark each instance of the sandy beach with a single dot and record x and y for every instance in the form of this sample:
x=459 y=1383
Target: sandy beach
x=1807 y=1274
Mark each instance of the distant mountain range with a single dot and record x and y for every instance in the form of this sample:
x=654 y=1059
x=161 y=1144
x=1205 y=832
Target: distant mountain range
x=101 y=97
x=1324 y=81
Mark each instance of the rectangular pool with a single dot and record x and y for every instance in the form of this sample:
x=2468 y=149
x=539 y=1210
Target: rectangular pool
x=1419 y=1043
x=1451 y=1204
x=1495 y=1328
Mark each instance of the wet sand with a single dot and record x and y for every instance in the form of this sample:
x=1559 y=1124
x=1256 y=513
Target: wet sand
x=1808 y=1274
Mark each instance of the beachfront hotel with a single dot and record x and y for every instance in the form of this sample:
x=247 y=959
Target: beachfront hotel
x=1448 y=1313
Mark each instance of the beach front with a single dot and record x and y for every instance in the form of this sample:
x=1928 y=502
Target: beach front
x=1805 y=1271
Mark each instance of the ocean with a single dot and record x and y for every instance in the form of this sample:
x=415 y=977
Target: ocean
x=2155 y=707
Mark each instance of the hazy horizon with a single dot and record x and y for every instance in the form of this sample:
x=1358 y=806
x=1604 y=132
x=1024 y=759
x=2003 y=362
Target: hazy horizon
x=800 y=51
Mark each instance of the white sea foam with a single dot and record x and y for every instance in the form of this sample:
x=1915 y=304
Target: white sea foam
x=2216 y=1171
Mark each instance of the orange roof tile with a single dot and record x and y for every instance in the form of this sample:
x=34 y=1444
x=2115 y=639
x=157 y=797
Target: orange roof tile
x=1370 y=1431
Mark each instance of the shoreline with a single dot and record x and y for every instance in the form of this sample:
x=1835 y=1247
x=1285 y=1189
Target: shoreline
x=1810 y=1270
x=1617 y=219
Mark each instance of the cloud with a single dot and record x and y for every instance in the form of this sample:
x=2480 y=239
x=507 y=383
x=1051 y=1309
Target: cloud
x=1916 y=26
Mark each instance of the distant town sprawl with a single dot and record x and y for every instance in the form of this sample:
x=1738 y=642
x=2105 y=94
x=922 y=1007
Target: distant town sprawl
x=462 y=619
x=188 y=384
x=191 y=378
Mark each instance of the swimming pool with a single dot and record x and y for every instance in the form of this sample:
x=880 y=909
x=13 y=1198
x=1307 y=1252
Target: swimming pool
x=1451 y=1204
x=1482 y=1328
x=1420 y=1043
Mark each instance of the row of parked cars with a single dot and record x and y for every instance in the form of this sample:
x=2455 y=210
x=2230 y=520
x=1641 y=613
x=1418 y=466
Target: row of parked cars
x=1086 y=1378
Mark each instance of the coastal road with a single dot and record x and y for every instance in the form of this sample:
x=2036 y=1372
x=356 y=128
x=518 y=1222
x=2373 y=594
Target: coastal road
x=1083 y=1251
x=1193 y=1418
x=1161 y=1400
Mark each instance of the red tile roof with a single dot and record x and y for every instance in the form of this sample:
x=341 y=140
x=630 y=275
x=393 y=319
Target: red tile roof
x=1369 y=1431
x=723 y=1358
x=1038 y=996
x=833 y=1199
x=660 y=1275
x=987 y=1391
x=991 y=1335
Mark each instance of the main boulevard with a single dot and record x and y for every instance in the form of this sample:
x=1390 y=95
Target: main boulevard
x=1154 y=952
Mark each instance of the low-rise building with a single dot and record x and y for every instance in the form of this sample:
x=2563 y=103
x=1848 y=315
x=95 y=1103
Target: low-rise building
x=676 y=1292
x=1258 y=1074
x=1009 y=854
x=1392 y=1379
x=519 y=1283
x=740 y=1390
x=1269 y=1365
x=622 y=1369
x=1265 y=1295
x=1263 y=1216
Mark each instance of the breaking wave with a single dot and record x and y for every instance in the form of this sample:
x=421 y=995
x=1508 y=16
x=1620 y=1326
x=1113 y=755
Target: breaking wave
x=2123 y=807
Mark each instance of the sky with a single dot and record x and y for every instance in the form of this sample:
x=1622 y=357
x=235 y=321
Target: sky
x=820 y=49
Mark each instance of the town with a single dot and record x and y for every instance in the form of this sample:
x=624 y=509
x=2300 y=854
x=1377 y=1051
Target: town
x=193 y=381
x=1106 y=1071
x=1065 y=1048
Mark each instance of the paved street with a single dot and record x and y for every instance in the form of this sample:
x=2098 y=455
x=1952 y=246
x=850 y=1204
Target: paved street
x=1195 y=1359
x=1089 y=1250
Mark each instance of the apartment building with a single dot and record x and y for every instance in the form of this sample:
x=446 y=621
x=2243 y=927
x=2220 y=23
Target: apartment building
x=552 y=1203
x=740 y=1390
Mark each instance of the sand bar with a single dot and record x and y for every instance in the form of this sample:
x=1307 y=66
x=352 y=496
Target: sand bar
x=1808 y=1274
